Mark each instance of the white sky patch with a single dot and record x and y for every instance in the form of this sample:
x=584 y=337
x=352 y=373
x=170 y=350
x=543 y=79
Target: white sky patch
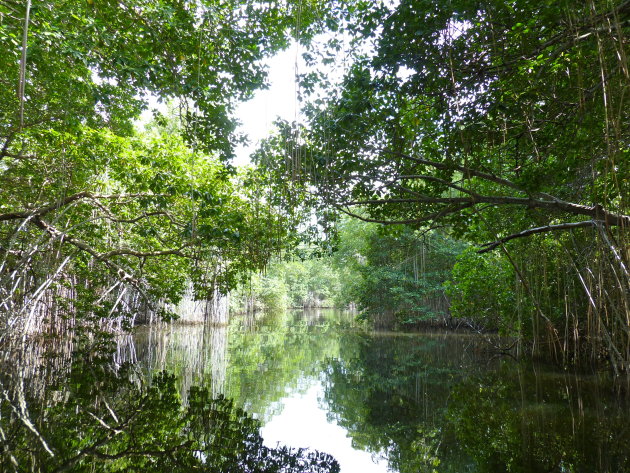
x=279 y=100
x=404 y=73
x=152 y=104
x=258 y=114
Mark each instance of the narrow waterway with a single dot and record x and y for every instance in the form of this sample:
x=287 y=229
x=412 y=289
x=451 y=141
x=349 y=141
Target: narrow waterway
x=392 y=402
x=181 y=398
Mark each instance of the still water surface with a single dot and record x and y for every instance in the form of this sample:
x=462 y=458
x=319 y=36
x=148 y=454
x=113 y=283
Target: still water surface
x=391 y=402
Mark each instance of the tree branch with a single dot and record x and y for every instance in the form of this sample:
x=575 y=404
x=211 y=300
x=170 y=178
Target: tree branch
x=41 y=211
x=427 y=218
x=486 y=247
x=119 y=270
x=142 y=254
x=596 y=211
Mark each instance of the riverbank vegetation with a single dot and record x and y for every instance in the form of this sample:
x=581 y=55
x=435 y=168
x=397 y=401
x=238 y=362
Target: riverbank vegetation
x=99 y=217
x=393 y=279
x=482 y=146
x=505 y=124
x=463 y=163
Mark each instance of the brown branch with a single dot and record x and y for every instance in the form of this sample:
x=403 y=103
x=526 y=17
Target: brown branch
x=424 y=177
x=486 y=247
x=17 y=156
x=427 y=218
x=109 y=215
x=383 y=222
x=119 y=270
x=142 y=254
x=596 y=211
x=466 y=171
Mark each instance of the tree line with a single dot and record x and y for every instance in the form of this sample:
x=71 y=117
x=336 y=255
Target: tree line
x=502 y=125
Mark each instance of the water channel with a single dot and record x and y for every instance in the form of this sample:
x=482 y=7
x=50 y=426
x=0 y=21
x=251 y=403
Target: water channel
x=375 y=401
x=393 y=402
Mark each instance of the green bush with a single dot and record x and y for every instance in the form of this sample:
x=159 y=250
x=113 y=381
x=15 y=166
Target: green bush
x=481 y=289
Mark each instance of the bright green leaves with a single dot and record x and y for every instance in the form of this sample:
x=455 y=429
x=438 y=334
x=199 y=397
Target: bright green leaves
x=145 y=208
x=157 y=205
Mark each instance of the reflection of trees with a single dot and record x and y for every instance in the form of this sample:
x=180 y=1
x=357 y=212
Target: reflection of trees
x=267 y=363
x=254 y=362
x=37 y=362
x=101 y=417
x=435 y=403
x=522 y=420
x=390 y=392
x=195 y=353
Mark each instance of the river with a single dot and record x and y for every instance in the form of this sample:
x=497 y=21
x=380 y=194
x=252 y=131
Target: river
x=375 y=401
x=395 y=402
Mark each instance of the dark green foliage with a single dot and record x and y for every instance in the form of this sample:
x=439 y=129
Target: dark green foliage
x=388 y=392
x=504 y=121
x=445 y=403
x=553 y=428
x=475 y=91
x=482 y=290
x=395 y=276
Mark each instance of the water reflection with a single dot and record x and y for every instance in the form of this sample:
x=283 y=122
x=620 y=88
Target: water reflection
x=302 y=423
x=196 y=354
x=404 y=402
x=89 y=410
x=527 y=419
x=390 y=393
x=256 y=363
x=378 y=402
x=439 y=403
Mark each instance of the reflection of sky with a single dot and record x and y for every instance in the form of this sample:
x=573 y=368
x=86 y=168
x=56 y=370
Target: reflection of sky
x=303 y=423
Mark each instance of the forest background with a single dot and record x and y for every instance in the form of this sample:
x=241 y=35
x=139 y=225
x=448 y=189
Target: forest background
x=492 y=126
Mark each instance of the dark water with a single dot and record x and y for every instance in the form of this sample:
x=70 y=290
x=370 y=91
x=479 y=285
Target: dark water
x=377 y=402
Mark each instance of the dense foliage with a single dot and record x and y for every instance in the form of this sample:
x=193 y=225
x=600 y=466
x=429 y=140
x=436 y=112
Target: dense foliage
x=508 y=123
x=297 y=283
x=505 y=123
x=481 y=289
x=93 y=212
x=396 y=276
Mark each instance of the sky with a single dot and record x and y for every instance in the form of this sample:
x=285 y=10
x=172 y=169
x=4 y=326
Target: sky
x=279 y=100
x=258 y=114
